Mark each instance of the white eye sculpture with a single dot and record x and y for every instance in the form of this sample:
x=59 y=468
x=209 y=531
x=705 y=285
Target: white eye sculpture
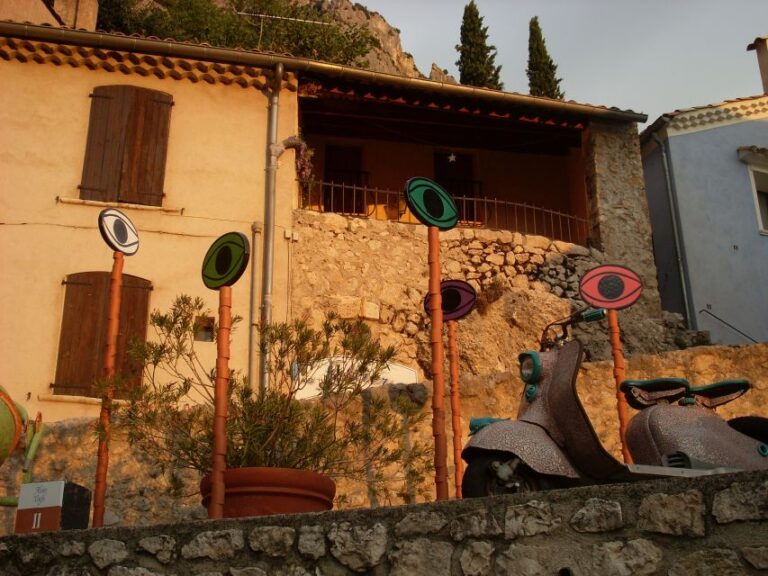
x=118 y=231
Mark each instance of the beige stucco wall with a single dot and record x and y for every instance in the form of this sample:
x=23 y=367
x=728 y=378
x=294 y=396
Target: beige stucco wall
x=214 y=184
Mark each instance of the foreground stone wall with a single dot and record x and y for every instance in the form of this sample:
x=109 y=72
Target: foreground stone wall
x=713 y=525
x=139 y=492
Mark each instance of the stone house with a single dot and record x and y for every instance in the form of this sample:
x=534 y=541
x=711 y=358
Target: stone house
x=706 y=171
x=192 y=141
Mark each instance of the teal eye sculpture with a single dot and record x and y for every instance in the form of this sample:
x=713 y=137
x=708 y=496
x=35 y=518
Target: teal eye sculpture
x=431 y=204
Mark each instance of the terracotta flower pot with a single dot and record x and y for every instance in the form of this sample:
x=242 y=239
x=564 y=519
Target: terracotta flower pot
x=265 y=491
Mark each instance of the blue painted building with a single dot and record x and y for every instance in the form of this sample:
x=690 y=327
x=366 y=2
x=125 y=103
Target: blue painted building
x=706 y=173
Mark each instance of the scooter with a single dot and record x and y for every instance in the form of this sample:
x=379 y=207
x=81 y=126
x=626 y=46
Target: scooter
x=552 y=443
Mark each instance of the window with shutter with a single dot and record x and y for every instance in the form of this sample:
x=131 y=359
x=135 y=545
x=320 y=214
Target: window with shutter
x=84 y=329
x=127 y=145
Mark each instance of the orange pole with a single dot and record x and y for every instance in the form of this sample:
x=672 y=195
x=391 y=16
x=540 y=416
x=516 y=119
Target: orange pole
x=216 y=504
x=113 y=327
x=438 y=357
x=619 y=375
x=453 y=355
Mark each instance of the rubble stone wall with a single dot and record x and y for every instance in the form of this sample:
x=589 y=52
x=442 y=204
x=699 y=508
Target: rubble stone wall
x=712 y=525
x=378 y=270
x=619 y=215
x=139 y=494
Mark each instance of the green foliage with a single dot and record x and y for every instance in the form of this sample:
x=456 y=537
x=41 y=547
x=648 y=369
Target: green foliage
x=541 y=69
x=268 y=25
x=416 y=458
x=117 y=15
x=170 y=416
x=476 y=58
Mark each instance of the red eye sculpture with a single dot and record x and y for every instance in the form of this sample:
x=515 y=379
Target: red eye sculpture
x=610 y=286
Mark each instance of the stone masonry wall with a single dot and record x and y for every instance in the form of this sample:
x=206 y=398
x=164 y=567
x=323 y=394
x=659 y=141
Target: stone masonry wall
x=138 y=493
x=619 y=214
x=682 y=527
x=378 y=270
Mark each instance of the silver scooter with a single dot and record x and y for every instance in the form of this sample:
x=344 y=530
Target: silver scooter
x=552 y=444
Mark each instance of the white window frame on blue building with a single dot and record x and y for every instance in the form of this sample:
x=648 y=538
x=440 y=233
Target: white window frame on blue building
x=756 y=160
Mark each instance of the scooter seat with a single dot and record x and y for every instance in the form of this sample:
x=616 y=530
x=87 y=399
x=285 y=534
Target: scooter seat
x=719 y=393
x=753 y=426
x=643 y=393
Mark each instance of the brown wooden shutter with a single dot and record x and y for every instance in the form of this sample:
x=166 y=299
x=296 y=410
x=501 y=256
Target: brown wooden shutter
x=84 y=328
x=106 y=130
x=127 y=145
x=143 y=172
x=134 y=311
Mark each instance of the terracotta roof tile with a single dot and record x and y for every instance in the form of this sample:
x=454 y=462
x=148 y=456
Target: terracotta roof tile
x=299 y=64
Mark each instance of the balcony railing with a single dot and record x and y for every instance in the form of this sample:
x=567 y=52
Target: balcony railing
x=379 y=204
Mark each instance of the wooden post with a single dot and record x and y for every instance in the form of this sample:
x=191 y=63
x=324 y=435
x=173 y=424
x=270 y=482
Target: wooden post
x=619 y=375
x=438 y=357
x=113 y=327
x=219 y=464
x=453 y=355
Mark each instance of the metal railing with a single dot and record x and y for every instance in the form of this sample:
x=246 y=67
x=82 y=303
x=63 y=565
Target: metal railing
x=380 y=204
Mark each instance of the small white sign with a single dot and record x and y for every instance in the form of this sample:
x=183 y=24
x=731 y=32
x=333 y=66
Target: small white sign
x=41 y=495
x=394 y=374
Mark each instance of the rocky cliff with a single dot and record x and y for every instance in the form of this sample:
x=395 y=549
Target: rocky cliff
x=387 y=54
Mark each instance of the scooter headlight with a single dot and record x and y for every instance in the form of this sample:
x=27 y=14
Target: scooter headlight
x=530 y=367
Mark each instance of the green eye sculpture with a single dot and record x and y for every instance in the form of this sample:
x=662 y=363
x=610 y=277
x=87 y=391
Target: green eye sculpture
x=430 y=203
x=226 y=260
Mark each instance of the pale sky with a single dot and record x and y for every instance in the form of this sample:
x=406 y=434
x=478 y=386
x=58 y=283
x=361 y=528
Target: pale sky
x=651 y=56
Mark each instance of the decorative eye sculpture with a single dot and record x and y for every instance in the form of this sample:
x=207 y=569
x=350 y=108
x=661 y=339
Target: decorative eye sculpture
x=118 y=231
x=458 y=299
x=226 y=260
x=611 y=286
x=431 y=204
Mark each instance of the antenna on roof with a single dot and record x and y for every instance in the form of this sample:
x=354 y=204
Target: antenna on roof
x=263 y=17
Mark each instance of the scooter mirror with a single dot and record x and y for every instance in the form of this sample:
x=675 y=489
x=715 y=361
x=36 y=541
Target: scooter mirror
x=530 y=367
x=593 y=314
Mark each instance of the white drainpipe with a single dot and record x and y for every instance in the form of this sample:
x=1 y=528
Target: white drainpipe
x=274 y=151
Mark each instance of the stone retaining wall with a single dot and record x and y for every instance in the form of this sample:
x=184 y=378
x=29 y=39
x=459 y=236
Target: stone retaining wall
x=681 y=527
x=378 y=270
x=138 y=492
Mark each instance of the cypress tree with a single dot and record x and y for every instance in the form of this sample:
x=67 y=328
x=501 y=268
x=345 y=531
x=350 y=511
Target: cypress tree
x=541 y=69
x=476 y=58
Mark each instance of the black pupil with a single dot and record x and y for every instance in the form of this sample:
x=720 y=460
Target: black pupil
x=433 y=203
x=223 y=260
x=120 y=230
x=610 y=287
x=451 y=300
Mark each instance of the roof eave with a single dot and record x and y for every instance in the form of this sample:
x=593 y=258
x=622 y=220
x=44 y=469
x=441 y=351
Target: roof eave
x=257 y=59
x=657 y=125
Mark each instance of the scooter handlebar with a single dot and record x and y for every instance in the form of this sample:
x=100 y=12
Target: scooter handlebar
x=586 y=315
x=590 y=315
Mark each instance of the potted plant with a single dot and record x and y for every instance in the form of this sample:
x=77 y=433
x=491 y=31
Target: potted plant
x=270 y=433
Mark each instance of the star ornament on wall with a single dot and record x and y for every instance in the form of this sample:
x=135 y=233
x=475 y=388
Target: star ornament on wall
x=452 y=157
